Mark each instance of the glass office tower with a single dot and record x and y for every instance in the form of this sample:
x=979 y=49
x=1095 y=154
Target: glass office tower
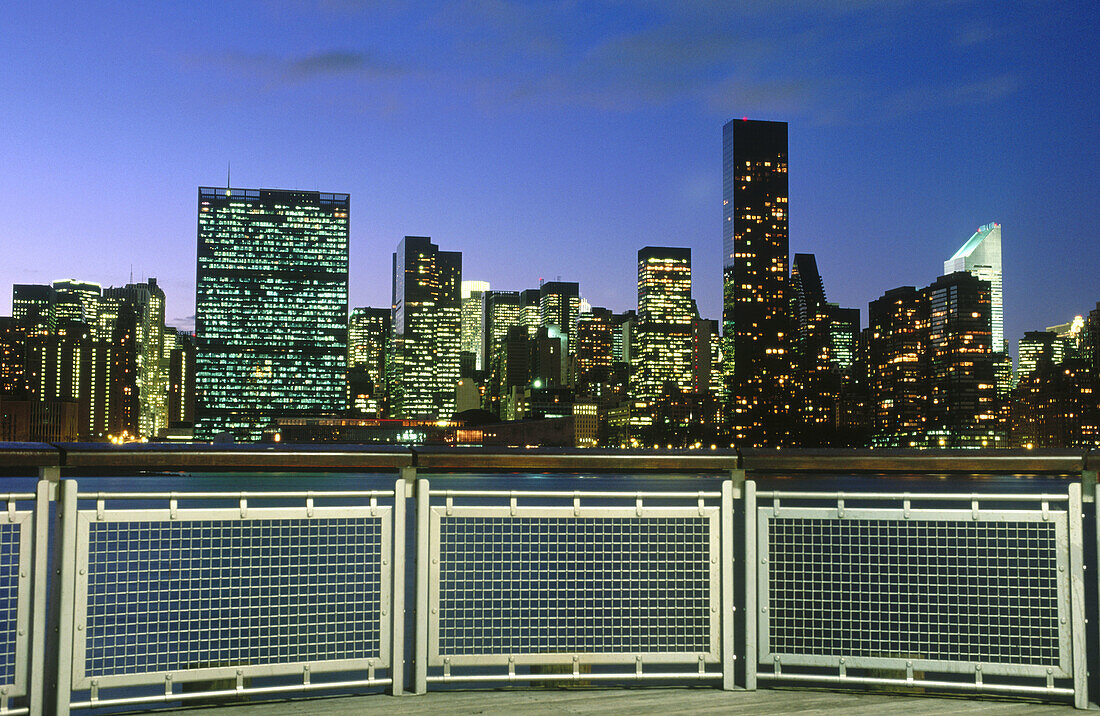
x=271 y=308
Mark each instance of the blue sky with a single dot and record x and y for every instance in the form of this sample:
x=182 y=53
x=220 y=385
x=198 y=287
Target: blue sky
x=557 y=138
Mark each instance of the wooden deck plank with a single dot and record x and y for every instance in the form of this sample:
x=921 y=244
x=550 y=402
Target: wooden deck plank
x=628 y=702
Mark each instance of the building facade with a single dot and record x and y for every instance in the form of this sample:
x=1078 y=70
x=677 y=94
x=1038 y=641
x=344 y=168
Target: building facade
x=271 y=308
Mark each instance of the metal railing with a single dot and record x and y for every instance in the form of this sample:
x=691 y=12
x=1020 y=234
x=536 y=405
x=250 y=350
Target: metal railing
x=16 y=592
x=578 y=579
x=881 y=588
x=162 y=598
x=208 y=590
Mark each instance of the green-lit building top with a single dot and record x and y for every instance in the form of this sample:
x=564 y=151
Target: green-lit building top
x=271 y=308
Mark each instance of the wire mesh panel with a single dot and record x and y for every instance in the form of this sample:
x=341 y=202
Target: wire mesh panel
x=15 y=573
x=221 y=592
x=948 y=590
x=525 y=584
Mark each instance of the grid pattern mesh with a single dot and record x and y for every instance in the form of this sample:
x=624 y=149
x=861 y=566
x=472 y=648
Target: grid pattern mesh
x=596 y=585
x=947 y=591
x=167 y=596
x=9 y=599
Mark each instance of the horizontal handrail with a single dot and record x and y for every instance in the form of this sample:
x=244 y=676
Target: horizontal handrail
x=569 y=494
x=89 y=458
x=914 y=496
x=250 y=495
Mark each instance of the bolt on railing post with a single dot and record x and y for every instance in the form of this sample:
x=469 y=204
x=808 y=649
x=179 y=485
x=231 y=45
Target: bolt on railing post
x=750 y=585
x=726 y=564
x=423 y=547
x=65 y=566
x=397 y=575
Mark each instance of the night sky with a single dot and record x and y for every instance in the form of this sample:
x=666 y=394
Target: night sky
x=557 y=138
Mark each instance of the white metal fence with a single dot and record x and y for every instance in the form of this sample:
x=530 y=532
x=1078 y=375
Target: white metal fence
x=918 y=589
x=220 y=591
x=164 y=597
x=571 y=580
x=16 y=571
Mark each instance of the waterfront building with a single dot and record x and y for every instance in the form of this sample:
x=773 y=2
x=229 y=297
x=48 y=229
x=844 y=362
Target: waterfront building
x=706 y=356
x=147 y=302
x=663 y=334
x=981 y=257
x=501 y=311
x=33 y=306
x=473 y=340
x=271 y=308
x=593 y=359
x=961 y=380
x=369 y=332
x=530 y=311
x=427 y=330
x=897 y=367
x=559 y=305
x=1091 y=342
x=180 y=378
x=756 y=330
x=79 y=301
x=1056 y=406
x=1036 y=347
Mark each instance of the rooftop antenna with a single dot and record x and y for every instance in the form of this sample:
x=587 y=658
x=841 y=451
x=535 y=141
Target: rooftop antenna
x=228 y=166
x=131 y=273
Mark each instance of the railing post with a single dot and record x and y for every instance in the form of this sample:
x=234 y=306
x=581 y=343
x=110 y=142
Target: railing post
x=65 y=561
x=750 y=585
x=423 y=547
x=408 y=476
x=45 y=492
x=726 y=570
x=1077 y=600
x=397 y=574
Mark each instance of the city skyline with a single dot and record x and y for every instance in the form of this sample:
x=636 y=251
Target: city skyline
x=976 y=121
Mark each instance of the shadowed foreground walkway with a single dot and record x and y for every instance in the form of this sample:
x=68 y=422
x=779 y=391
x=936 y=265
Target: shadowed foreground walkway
x=637 y=701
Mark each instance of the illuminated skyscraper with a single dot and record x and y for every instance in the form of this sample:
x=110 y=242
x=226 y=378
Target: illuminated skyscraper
x=33 y=306
x=147 y=301
x=981 y=257
x=593 y=357
x=663 y=334
x=756 y=331
x=271 y=308
x=559 y=305
x=473 y=340
x=961 y=385
x=1037 y=347
x=84 y=298
x=368 y=344
x=427 y=330
x=897 y=366
x=530 y=314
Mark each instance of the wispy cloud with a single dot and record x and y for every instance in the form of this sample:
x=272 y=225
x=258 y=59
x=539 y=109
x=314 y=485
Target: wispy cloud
x=925 y=97
x=283 y=70
x=337 y=62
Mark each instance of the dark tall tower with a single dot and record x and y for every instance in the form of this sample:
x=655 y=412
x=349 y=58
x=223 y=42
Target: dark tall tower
x=755 y=276
x=897 y=366
x=271 y=301
x=961 y=379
